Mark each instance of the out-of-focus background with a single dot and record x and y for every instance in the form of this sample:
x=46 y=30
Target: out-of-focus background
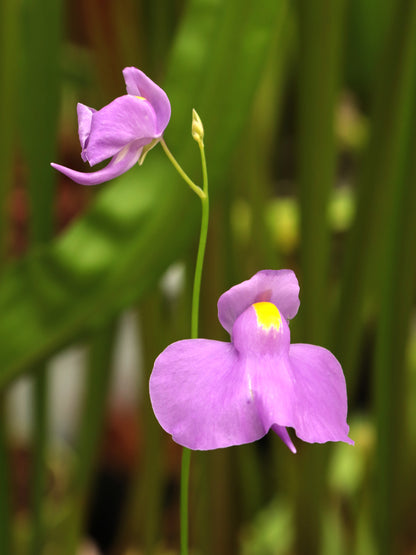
x=309 y=111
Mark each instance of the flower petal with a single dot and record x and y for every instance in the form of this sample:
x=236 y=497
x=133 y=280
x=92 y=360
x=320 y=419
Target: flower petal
x=321 y=395
x=304 y=389
x=201 y=395
x=279 y=287
x=125 y=119
x=261 y=330
x=282 y=432
x=84 y=123
x=138 y=84
x=120 y=163
x=273 y=386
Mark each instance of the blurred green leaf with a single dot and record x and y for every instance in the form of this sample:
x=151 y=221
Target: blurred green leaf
x=39 y=110
x=9 y=45
x=391 y=135
x=143 y=221
x=320 y=46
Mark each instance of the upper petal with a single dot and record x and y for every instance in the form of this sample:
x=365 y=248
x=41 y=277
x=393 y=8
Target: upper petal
x=125 y=119
x=137 y=83
x=120 y=163
x=202 y=396
x=279 y=287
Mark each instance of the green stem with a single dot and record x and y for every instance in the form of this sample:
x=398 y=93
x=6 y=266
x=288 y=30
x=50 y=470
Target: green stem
x=391 y=365
x=184 y=175
x=201 y=247
x=96 y=393
x=9 y=45
x=186 y=463
x=203 y=195
x=383 y=162
x=40 y=435
x=5 y=492
x=320 y=46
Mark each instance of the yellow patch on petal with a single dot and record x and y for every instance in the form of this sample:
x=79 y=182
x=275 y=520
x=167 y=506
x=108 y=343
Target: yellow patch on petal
x=141 y=97
x=268 y=315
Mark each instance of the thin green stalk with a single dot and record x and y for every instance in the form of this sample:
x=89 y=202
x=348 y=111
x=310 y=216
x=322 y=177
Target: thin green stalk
x=203 y=195
x=186 y=454
x=178 y=168
x=185 y=468
x=201 y=248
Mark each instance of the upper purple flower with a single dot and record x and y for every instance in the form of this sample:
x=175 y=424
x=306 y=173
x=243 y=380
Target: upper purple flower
x=210 y=394
x=121 y=130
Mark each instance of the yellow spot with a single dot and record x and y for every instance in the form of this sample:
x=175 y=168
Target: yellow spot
x=141 y=97
x=268 y=316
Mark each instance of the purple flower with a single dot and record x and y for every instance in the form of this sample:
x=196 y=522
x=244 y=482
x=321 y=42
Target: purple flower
x=124 y=130
x=210 y=394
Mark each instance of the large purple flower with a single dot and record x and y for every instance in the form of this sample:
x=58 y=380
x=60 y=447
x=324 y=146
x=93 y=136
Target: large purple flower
x=210 y=394
x=124 y=130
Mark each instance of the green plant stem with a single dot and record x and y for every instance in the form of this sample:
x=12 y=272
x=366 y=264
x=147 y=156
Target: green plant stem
x=203 y=195
x=145 y=511
x=201 y=247
x=40 y=435
x=185 y=468
x=390 y=368
x=319 y=46
x=5 y=493
x=178 y=168
x=91 y=424
x=383 y=161
x=39 y=63
x=9 y=45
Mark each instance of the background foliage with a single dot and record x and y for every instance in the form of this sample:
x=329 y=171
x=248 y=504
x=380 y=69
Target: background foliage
x=310 y=116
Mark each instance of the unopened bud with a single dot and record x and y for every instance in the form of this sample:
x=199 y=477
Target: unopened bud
x=197 y=128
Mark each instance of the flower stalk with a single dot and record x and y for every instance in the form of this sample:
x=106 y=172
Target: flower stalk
x=181 y=172
x=198 y=135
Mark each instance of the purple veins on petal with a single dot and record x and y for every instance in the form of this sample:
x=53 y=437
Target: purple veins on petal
x=210 y=394
x=121 y=129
